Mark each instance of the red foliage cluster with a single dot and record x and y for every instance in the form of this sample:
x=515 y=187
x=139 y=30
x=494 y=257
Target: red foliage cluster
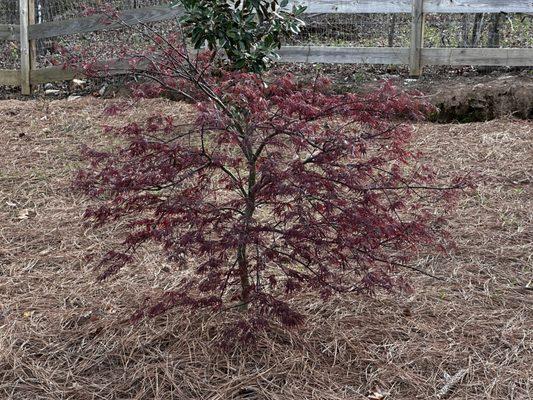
x=275 y=189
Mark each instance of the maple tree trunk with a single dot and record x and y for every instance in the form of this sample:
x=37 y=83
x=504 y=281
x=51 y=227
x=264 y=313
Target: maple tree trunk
x=242 y=259
x=244 y=276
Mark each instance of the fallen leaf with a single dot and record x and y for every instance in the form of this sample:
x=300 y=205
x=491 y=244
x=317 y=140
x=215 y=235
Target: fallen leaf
x=24 y=214
x=377 y=394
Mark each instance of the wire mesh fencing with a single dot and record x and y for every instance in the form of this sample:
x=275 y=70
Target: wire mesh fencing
x=9 y=12
x=479 y=30
x=394 y=30
x=104 y=44
x=354 y=30
x=9 y=50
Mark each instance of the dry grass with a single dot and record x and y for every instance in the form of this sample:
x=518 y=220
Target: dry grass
x=61 y=336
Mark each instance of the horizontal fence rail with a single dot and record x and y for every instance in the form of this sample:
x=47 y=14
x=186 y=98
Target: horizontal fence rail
x=9 y=32
x=405 y=6
x=99 y=23
x=9 y=77
x=400 y=55
x=92 y=23
x=416 y=55
x=345 y=55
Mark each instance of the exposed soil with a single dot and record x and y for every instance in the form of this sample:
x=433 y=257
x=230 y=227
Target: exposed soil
x=61 y=336
x=460 y=95
x=505 y=96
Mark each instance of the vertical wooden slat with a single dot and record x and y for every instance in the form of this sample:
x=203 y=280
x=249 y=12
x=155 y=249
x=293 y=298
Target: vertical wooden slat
x=417 y=39
x=33 y=43
x=25 y=63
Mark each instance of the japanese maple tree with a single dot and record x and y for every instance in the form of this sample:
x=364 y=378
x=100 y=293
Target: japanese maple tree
x=274 y=188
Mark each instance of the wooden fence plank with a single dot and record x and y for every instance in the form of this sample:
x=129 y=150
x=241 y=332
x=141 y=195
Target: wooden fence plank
x=100 y=22
x=52 y=74
x=312 y=54
x=477 y=6
x=400 y=55
x=405 y=6
x=33 y=43
x=417 y=38
x=59 y=73
x=25 y=63
x=469 y=56
x=9 y=32
x=355 y=7
x=9 y=77
x=345 y=55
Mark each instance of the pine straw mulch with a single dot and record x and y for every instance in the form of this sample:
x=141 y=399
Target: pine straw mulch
x=469 y=337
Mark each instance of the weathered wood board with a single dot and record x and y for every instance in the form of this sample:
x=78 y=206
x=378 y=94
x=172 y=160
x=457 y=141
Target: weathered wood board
x=9 y=32
x=469 y=56
x=9 y=77
x=100 y=23
x=405 y=6
x=417 y=38
x=401 y=55
x=345 y=55
x=25 y=56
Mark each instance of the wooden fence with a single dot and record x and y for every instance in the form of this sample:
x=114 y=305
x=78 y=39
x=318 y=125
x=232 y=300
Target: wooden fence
x=416 y=56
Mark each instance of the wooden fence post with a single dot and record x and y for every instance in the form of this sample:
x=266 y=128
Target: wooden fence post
x=27 y=48
x=417 y=39
x=33 y=43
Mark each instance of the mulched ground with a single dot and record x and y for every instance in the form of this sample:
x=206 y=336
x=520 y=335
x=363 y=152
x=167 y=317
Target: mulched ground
x=468 y=337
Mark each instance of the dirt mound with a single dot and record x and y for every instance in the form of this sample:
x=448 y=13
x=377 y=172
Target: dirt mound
x=502 y=97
